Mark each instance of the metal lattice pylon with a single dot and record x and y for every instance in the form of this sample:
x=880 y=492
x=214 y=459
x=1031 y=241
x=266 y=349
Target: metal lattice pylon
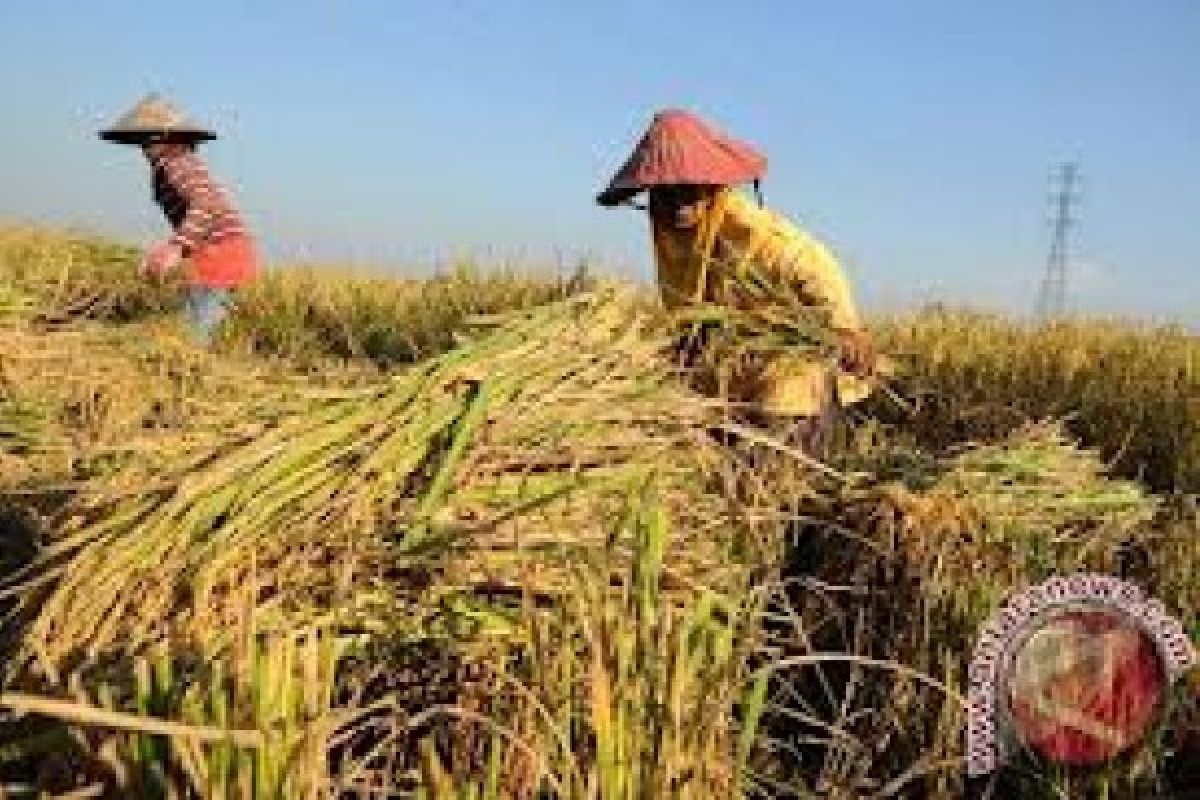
x=1052 y=300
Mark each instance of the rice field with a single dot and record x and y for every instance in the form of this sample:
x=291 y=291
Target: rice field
x=1130 y=390
x=475 y=537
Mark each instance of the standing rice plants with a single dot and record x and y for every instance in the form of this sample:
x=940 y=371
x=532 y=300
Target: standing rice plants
x=280 y=688
x=14 y=304
x=1131 y=392
x=302 y=313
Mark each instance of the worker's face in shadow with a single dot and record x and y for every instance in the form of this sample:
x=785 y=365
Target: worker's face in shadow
x=679 y=207
x=158 y=149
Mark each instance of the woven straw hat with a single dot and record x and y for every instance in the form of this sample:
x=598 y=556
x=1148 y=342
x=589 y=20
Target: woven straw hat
x=153 y=119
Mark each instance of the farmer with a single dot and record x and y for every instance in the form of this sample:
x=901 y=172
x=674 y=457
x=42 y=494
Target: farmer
x=206 y=229
x=702 y=226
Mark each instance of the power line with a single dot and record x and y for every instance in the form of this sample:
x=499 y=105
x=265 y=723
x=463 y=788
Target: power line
x=1052 y=299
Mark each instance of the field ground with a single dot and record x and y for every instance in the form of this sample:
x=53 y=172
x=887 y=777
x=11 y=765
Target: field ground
x=471 y=537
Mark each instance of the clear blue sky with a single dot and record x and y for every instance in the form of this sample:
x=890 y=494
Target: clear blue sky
x=915 y=137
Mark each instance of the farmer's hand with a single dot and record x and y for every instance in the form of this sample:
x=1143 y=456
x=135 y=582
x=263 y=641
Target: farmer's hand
x=857 y=354
x=161 y=259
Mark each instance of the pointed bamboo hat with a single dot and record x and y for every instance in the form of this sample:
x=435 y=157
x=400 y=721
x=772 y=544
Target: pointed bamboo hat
x=680 y=148
x=154 y=119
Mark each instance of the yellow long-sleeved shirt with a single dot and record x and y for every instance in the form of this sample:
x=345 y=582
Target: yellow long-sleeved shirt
x=750 y=237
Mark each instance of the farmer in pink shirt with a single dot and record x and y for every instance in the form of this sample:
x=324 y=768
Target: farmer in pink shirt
x=207 y=230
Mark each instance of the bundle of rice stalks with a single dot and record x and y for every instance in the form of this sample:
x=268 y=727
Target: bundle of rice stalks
x=1014 y=513
x=449 y=503
x=87 y=402
x=488 y=466
x=728 y=344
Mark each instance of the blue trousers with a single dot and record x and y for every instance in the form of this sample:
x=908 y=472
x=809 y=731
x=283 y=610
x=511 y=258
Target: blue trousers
x=206 y=309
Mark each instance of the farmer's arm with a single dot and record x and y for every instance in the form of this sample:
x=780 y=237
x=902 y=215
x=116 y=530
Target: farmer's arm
x=190 y=178
x=825 y=281
x=788 y=254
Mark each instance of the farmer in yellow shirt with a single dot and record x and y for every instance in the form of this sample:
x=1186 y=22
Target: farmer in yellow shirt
x=703 y=227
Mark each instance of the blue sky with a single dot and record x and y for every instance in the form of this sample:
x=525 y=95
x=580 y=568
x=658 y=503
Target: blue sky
x=915 y=137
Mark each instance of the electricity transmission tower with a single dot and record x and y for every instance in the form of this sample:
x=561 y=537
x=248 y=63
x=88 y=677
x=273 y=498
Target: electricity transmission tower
x=1064 y=197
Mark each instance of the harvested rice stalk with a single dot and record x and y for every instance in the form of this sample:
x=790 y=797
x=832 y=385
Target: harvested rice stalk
x=525 y=439
x=90 y=402
x=727 y=345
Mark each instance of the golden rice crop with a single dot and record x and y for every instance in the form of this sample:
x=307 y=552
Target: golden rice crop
x=297 y=312
x=1133 y=392
x=515 y=562
x=620 y=690
x=301 y=313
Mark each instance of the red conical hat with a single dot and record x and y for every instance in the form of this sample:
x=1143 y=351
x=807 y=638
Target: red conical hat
x=680 y=148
